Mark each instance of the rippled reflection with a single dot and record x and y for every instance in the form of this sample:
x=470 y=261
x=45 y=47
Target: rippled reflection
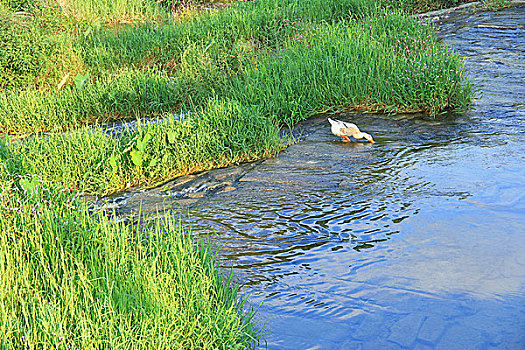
x=415 y=241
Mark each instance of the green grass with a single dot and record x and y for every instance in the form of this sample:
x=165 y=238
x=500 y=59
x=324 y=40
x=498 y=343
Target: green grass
x=496 y=5
x=148 y=69
x=89 y=160
x=107 y=10
x=129 y=94
x=71 y=279
x=419 y=6
x=36 y=49
x=366 y=64
x=111 y=11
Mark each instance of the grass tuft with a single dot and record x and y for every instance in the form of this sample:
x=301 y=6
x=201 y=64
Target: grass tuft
x=90 y=160
x=71 y=279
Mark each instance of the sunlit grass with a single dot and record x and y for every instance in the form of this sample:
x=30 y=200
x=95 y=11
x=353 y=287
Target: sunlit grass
x=114 y=10
x=419 y=6
x=70 y=279
x=92 y=161
x=369 y=64
x=146 y=70
x=125 y=95
x=495 y=5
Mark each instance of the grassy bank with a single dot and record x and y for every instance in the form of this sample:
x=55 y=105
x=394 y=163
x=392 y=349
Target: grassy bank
x=238 y=75
x=89 y=160
x=107 y=74
x=74 y=280
x=420 y=6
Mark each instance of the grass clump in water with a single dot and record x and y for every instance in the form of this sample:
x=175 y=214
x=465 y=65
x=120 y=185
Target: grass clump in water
x=495 y=5
x=92 y=161
x=73 y=279
x=420 y=6
x=367 y=65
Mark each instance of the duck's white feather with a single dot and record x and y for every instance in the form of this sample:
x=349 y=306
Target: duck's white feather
x=345 y=129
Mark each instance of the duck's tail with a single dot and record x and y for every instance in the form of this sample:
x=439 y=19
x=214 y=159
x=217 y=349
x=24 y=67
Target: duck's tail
x=331 y=121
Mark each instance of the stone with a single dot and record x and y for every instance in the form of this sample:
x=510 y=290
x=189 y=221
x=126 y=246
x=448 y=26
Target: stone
x=433 y=327
x=404 y=332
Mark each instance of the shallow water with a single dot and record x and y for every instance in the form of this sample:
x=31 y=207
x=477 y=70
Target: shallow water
x=416 y=241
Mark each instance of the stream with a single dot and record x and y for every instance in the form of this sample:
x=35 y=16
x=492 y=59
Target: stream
x=416 y=241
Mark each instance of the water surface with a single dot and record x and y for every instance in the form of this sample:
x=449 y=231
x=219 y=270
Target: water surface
x=416 y=241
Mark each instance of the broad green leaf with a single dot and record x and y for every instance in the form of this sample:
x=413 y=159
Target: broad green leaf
x=113 y=161
x=137 y=157
x=141 y=144
x=171 y=136
x=80 y=80
x=153 y=162
x=29 y=185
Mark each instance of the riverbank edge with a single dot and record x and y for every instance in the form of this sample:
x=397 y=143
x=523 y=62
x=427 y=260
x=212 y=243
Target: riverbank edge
x=72 y=278
x=477 y=6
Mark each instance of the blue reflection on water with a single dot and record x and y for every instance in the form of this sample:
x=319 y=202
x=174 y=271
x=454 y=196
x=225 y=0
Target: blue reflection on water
x=415 y=242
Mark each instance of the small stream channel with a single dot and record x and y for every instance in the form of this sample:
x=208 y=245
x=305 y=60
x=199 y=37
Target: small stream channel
x=416 y=241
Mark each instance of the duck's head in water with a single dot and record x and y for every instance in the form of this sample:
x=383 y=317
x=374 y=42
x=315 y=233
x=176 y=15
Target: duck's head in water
x=344 y=130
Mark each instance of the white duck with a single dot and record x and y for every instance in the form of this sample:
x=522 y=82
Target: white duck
x=344 y=129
